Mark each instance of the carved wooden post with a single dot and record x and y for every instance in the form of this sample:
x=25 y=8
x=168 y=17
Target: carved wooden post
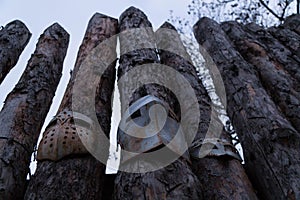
x=66 y=170
x=220 y=172
x=269 y=141
x=175 y=181
x=26 y=108
x=13 y=39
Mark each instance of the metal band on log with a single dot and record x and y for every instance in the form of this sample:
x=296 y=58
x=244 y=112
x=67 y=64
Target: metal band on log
x=26 y=108
x=221 y=165
x=269 y=141
x=175 y=181
x=66 y=170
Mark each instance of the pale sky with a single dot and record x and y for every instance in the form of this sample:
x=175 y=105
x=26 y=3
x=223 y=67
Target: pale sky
x=72 y=16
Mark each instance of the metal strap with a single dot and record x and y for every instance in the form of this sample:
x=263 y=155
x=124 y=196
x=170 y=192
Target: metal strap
x=221 y=148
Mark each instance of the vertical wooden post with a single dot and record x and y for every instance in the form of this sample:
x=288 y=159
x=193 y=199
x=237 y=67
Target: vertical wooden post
x=13 y=39
x=175 y=181
x=223 y=176
x=66 y=170
x=25 y=110
x=269 y=141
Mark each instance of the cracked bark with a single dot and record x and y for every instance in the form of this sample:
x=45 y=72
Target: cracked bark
x=281 y=55
x=269 y=141
x=293 y=22
x=81 y=176
x=175 y=181
x=284 y=89
x=26 y=108
x=221 y=177
x=13 y=39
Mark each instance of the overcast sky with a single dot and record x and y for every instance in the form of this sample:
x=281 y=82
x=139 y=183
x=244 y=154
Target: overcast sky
x=73 y=16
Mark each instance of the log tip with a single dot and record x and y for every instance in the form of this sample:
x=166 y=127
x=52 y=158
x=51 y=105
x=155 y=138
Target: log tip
x=133 y=12
x=57 y=31
x=168 y=25
x=98 y=16
x=19 y=27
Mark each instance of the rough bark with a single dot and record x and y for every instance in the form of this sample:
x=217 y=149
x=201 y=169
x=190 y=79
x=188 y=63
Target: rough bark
x=293 y=22
x=81 y=176
x=26 y=108
x=13 y=39
x=269 y=141
x=282 y=56
x=222 y=177
x=283 y=89
x=288 y=38
x=175 y=181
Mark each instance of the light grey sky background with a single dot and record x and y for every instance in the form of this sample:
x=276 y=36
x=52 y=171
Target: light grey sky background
x=73 y=16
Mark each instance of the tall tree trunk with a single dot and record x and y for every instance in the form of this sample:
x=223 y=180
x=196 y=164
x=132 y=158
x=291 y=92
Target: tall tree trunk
x=269 y=141
x=175 y=181
x=26 y=108
x=223 y=176
x=13 y=39
x=284 y=89
x=74 y=173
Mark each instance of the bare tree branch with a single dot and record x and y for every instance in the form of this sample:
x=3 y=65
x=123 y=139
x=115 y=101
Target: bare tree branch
x=271 y=11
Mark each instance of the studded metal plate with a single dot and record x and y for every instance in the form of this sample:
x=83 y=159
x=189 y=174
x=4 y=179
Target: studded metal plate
x=63 y=138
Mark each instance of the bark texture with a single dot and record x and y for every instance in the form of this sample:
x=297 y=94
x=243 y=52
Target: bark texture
x=293 y=22
x=13 y=39
x=222 y=177
x=281 y=55
x=175 y=181
x=270 y=142
x=81 y=176
x=26 y=108
x=279 y=84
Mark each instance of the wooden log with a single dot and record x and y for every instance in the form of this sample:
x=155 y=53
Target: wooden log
x=175 y=181
x=282 y=56
x=288 y=38
x=76 y=174
x=269 y=141
x=26 y=108
x=13 y=39
x=284 y=89
x=222 y=177
x=293 y=22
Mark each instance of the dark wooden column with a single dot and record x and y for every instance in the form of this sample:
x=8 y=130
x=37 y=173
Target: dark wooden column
x=66 y=169
x=269 y=141
x=13 y=39
x=221 y=175
x=26 y=108
x=280 y=85
x=293 y=22
x=175 y=181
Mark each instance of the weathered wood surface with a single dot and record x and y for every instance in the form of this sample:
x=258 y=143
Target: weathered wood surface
x=284 y=89
x=221 y=177
x=288 y=38
x=270 y=143
x=25 y=110
x=81 y=176
x=281 y=55
x=293 y=22
x=175 y=181
x=13 y=39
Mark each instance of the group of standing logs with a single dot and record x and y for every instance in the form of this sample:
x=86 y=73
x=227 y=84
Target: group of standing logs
x=260 y=69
